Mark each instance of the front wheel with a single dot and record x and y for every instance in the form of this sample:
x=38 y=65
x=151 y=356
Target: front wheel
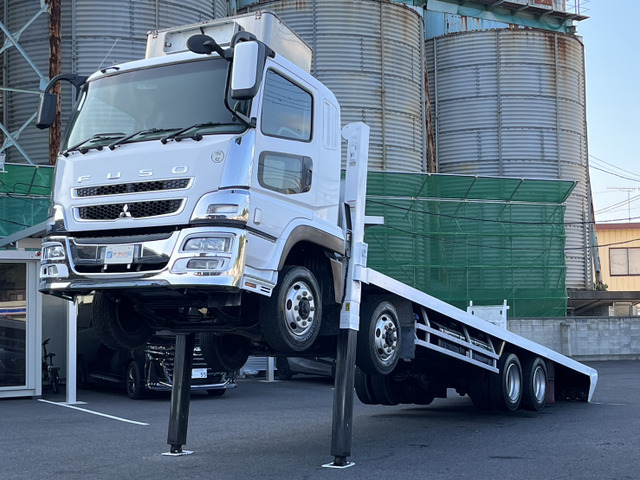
x=378 y=348
x=291 y=317
x=135 y=382
x=117 y=323
x=224 y=353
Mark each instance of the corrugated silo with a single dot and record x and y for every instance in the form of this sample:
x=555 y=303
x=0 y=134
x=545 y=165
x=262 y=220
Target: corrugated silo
x=94 y=34
x=370 y=54
x=511 y=102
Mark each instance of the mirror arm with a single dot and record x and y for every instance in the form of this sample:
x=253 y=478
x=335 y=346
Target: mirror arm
x=75 y=80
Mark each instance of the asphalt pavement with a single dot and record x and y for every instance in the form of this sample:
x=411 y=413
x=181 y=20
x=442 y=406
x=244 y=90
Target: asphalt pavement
x=282 y=430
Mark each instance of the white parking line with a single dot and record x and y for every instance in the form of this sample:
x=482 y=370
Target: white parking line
x=92 y=412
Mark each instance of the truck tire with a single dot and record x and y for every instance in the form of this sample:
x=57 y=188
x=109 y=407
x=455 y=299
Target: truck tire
x=378 y=348
x=479 y=390
x=117 y=323
x=534 y=391
x=385 y=390
x=291 y=317
x=134 y=381
x=224 y=353
x=363 y=388
x=506 y=386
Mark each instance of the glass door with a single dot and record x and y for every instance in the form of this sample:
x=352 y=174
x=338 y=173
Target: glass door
x=13 y=324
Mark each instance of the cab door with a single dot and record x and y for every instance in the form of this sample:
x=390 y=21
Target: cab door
x=283 y=185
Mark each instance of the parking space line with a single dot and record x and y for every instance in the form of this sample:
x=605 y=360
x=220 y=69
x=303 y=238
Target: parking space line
x=120 y=419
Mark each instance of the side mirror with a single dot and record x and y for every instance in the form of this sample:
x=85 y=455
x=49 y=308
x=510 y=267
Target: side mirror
x=246 y=70
x=49 y=101
x=47 y=110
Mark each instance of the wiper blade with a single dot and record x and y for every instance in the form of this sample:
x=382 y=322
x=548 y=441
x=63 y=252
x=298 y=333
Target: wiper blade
x=94 y=138
x=178 y=135
x=147 y=131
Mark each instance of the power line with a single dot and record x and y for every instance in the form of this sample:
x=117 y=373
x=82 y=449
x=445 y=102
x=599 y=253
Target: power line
x=614 y=166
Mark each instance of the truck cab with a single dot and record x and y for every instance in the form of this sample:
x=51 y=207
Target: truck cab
x=198 y=190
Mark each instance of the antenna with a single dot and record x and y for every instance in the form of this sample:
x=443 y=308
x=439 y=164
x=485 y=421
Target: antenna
x=628 y=190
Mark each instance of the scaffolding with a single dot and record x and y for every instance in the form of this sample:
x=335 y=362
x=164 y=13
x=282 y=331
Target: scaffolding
x=462 y=238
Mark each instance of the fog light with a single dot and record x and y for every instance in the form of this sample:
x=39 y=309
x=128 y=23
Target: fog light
x=207 y=244
x=203 y=264
x=51 y=271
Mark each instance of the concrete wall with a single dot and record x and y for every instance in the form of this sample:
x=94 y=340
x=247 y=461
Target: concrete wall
x=584 y=338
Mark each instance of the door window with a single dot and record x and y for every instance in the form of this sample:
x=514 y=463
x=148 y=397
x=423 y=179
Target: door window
x=286 y=109
x=285 y=173
x=13 y=322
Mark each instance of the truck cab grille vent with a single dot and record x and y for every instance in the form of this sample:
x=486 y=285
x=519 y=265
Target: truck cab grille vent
x=134 y=187
x=133 y=210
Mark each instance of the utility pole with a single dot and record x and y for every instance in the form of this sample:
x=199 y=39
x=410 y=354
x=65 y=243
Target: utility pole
x=55 y=59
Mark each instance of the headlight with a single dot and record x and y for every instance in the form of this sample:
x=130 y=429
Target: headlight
x=207 y=245
x=53 y=252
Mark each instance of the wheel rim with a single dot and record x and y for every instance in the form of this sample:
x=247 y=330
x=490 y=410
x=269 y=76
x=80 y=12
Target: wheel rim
x=539 y=384
x=514 y=383
x=300 y=306
x=132 y=383
x=385 y=339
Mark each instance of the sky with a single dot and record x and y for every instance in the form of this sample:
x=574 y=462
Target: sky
x=612 y=55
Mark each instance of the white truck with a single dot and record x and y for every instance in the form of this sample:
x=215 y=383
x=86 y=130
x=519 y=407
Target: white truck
x=199 y=191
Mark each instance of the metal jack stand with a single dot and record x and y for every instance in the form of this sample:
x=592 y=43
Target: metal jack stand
x=180 y=394
x=357 y=135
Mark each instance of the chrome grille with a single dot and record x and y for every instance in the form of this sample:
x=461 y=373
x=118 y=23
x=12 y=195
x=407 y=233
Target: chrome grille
x=134 y=187
x=134 y=210
x=198 y=362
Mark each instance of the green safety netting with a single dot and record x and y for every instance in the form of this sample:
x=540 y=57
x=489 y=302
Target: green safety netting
x=24 y=197
x=462 y=238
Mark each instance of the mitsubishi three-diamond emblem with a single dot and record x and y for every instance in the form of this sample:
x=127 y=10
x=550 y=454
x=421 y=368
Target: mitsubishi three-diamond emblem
x=125 y=212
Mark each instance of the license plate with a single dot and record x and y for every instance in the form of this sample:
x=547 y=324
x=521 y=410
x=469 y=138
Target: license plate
x=199 y=373
x=118 y=254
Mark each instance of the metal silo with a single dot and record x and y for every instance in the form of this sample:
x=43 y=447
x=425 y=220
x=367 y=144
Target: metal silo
x=511 y=102
x=94 y=34
x=370 y=54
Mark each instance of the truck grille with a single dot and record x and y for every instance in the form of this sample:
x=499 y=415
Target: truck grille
x=198 y=362
x=134 y=210
x=134 y=187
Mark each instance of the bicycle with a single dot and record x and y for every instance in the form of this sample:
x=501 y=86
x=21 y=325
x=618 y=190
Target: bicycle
x=50 y=373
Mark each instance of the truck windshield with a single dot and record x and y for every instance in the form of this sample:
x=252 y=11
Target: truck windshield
x=153 y=102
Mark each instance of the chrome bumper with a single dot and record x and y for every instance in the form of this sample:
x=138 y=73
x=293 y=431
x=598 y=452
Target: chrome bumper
x=72 y=265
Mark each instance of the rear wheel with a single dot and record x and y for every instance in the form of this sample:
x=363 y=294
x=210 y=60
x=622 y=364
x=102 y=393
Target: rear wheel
x=117 y=323
x=479 y=391
x=283 y=369
x=506 y=386
x=55 y=381
x=135 y=382
x=291 y=317
x=378 y=348
x=224 y=353
x=535 y=384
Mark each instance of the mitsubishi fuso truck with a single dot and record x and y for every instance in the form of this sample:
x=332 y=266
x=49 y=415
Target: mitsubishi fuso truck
x=200 y=191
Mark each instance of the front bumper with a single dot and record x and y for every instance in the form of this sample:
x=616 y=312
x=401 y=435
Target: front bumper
x=72 y=265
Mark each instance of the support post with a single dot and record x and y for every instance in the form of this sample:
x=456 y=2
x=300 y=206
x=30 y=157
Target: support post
x=181 y=393
x=72 y=349
x=357 y=135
